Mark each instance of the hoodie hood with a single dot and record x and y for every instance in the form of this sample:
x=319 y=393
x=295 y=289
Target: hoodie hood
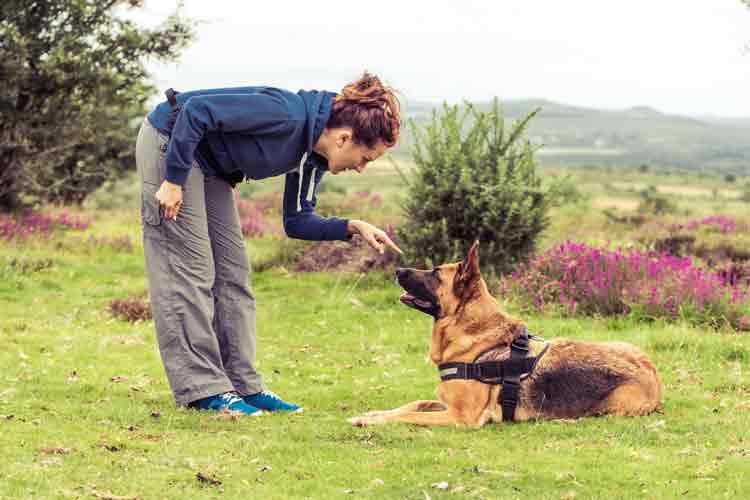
x=318 y=105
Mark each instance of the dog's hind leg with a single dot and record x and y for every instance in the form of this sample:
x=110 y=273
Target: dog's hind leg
x=632 y=399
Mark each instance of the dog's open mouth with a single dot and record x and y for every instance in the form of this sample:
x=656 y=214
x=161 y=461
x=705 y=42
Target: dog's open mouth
x=416 y=302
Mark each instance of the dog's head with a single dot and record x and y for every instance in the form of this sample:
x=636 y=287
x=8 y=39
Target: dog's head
x=445 y=289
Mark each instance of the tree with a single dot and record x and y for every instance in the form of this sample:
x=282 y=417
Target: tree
x=474 y=181
x=74 y=84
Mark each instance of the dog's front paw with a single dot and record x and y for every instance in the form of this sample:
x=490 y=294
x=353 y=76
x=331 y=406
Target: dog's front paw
x=362 y=421
x=375 y=413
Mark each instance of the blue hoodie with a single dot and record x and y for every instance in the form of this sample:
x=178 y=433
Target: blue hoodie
x=262 y=132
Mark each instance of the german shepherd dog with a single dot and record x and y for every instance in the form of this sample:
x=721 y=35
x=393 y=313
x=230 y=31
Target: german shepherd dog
x=570 y=378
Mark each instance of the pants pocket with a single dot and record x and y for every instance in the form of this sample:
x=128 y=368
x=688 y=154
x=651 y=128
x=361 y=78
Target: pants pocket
x=151 y=211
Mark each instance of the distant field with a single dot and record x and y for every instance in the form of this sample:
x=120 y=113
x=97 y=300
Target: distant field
x=576 y=135
x=558 y=151
x=684 y=191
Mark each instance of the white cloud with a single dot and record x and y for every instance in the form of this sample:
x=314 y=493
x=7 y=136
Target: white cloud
x=679 y=56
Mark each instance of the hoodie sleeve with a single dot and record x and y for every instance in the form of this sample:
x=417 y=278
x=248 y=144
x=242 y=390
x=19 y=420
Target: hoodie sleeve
x=256 y=113
x=300 y=221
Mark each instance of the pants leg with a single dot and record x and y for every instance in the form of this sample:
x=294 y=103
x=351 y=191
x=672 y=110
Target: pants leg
x=181 y=273
x=234 y=303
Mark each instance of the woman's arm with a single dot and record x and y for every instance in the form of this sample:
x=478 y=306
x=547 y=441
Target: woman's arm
x=301 y=222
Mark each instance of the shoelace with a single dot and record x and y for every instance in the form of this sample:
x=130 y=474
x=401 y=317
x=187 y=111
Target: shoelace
x=271 y=394
x=229 y=398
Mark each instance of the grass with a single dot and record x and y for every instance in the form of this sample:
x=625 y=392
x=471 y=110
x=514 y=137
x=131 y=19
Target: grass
x=85 y=410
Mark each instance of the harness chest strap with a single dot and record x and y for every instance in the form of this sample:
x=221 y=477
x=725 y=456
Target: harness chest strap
x=508 y=372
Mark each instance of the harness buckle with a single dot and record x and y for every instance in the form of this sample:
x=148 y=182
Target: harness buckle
x=520 y=347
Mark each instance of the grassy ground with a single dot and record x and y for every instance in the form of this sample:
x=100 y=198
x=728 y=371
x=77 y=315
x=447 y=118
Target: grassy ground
x=85 y=411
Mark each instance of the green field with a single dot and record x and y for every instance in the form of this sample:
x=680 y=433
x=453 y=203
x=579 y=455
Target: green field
x=85 y=410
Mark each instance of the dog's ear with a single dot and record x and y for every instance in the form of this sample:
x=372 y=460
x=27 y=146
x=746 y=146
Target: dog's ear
x=471 y=263
x=468 y=272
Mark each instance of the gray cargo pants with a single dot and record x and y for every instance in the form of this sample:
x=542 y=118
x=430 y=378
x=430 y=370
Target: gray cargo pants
x=199 y=281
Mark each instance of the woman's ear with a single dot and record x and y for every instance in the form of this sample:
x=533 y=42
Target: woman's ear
x=343 y=136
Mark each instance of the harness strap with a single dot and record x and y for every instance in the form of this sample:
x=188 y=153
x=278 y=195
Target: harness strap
x=489 y=372
x=519 y=349
x=508 y=372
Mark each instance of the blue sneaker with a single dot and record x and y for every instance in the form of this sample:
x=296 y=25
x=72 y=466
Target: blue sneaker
x=227 y=401
x=268 y=401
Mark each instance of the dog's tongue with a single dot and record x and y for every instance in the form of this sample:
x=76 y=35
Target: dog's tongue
x=410 y=299
x=406 y=298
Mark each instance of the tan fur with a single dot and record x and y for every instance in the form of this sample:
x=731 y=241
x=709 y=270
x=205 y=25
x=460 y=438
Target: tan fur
x=573 y=379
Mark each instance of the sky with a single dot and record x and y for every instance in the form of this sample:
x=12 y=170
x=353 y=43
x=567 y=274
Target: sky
x=686 y=57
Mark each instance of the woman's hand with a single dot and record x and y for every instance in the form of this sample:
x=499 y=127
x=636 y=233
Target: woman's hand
x=170 y=198
x=376 y=238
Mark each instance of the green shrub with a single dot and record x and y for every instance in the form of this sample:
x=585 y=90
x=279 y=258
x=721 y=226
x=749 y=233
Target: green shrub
x=474 y=179
x=745 y=196
x=654 y=203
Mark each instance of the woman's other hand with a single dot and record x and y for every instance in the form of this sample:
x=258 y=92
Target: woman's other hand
x=170 y=198
x=376 y=238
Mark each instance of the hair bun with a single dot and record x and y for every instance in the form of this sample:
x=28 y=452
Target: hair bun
x=370 y=108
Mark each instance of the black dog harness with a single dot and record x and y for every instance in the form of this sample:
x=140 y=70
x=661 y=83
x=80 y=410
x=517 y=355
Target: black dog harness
x=508 y=372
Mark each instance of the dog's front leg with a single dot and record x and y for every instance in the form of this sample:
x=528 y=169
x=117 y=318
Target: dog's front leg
x=427 y=418
x=420 y=405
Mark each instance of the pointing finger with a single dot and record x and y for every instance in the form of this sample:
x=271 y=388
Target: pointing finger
x=391 y=244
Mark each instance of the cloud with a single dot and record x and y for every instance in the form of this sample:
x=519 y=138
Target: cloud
x=680 y=57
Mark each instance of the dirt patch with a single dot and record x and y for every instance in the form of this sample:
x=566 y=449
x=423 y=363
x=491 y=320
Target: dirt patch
x=354 y=256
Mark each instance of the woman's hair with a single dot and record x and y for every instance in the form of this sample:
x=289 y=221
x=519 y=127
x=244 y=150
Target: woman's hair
x=370 y=108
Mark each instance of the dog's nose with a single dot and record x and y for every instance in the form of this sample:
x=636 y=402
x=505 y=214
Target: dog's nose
x=400 y=271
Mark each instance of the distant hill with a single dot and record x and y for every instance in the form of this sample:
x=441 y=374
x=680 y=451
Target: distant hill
x=628 y=137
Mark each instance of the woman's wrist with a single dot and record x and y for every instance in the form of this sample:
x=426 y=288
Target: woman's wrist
x=351 y=227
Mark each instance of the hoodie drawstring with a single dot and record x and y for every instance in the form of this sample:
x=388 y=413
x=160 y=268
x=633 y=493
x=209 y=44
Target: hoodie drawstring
x=301 y=177
x=311 y=185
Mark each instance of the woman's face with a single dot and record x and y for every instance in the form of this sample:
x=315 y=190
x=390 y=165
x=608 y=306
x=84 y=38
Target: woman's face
x=348 y=155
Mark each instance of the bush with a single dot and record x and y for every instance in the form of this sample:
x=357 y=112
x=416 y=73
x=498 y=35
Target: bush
x=474 y=181
x=39 y=224
x=74 y=86
x=586 y=280
x=745 y=196
x=654 y=203
x=718 y=240
x=254 y=217
x=568 y=192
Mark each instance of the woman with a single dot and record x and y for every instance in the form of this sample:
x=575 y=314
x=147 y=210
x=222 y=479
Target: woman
x=189 y=153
